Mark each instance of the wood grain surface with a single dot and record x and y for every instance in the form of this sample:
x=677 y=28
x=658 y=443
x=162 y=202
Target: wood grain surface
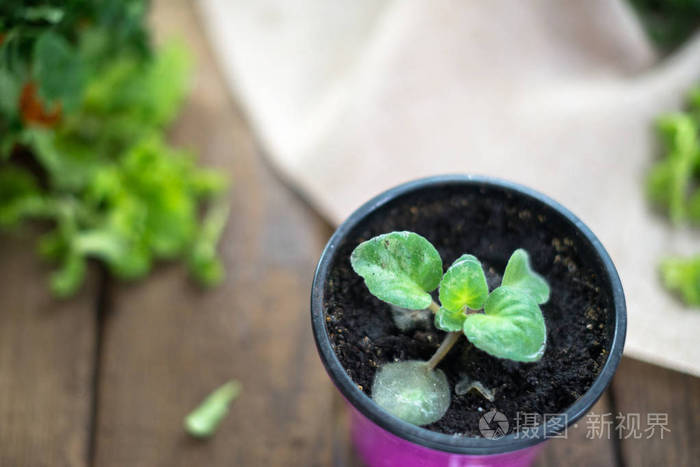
x=580 y=447
x=106 y=378
x=46 y=363
x=167 y=343
x=654 y=392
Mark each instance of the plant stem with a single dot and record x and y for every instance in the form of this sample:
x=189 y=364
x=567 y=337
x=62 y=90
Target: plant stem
x=434 y=307
x=444 y=348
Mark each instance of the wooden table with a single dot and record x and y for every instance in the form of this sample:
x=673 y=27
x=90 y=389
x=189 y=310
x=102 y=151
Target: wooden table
x=105 y=378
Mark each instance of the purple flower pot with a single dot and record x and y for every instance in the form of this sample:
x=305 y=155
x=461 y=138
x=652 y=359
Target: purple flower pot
x=379 y=448
x=384 y=440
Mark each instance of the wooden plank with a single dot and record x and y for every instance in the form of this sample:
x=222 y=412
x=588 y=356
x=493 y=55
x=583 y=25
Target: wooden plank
x=582 y=446
x=167 y=344
x=46 y=363
x=648 y=389
x=344 y=454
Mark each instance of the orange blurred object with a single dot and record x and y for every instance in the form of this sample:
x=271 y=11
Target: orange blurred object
x=34 y=111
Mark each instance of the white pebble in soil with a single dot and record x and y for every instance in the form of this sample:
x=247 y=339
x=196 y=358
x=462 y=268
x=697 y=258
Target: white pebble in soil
x=412 y=392
x=408 y=320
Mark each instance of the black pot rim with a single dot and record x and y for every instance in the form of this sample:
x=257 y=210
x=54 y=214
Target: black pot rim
x=442 y=441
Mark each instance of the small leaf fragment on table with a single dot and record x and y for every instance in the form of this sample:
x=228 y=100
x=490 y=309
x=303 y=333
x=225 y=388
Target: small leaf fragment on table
x=203 y=421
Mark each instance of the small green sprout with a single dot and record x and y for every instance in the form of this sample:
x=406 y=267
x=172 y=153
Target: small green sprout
x=403 y=268
x=203 y=421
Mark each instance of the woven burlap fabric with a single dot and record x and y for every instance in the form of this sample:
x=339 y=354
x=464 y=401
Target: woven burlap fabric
x=351 y=98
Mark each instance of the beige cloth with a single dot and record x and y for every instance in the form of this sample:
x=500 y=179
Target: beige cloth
x=351 y=98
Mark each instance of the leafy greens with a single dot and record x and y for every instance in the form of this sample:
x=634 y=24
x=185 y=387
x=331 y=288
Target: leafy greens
x=84 y=105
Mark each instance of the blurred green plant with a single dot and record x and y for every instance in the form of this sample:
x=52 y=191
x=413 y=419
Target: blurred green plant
x=668 y=22
x=673 y=185
x=84 y=104
x=682 y=275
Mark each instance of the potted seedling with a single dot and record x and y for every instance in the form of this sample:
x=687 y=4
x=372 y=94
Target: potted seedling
x=447 y=308
x=401 y=269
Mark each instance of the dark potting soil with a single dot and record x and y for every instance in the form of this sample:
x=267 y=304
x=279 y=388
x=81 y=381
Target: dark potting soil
x=490 y=224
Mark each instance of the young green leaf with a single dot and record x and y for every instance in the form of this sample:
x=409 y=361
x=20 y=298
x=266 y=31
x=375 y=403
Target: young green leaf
x=400 y=268
x=464 y=284
x=449 y=321
x=519 y=275
x=203 y=421
x=511 y=327
x=412 y=392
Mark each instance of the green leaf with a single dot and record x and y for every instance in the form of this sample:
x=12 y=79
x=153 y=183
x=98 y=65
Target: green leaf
x=69 y=277
x=511 y=327
x=204 y=263
x=682 y=275
x=19 y=196
x=58 y=70
x=519 y=275
x=203 y=421
x=208 y=183
x=449 y=321
x=53 y=245
x=13 y=56
x=694 y=206
x=142 y=95
x=43 y=13
x=9 y=93
x=668 y=23
x=464 y=284
x=68 y=167
x=669 y=180
x=400 y=268
x=412 y=392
